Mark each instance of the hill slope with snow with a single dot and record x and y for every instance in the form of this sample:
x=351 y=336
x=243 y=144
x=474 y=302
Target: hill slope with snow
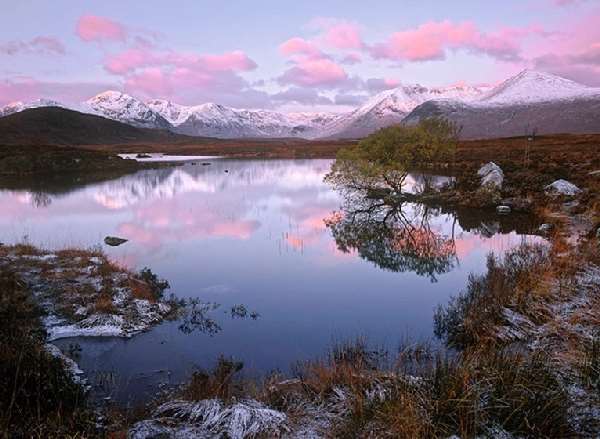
x=530 y=87
x=127 y=109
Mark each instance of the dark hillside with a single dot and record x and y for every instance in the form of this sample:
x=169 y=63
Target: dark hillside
x=59 y=126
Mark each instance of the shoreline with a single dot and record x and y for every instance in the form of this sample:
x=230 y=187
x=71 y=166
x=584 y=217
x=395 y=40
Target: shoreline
x=546 y=310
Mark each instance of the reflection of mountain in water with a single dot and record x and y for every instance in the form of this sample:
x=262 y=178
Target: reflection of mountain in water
x=117 y=191
x=222 y=175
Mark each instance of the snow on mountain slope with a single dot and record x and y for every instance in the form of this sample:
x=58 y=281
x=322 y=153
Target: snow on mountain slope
x=15 y=107
x=219 y=121
x=174 y=113
x=531 y=86
x=391 y=106
x=124 y=108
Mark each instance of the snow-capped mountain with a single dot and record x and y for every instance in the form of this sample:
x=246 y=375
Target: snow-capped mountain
x=406 y=103
x=15 y=107
x=530 y=101
x=215 y=120
x=174 y=113
x=392 y=106
x=531 y=86
x=124 y=108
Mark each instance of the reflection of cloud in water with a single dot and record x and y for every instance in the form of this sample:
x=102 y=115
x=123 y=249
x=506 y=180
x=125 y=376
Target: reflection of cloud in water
x=169 y=183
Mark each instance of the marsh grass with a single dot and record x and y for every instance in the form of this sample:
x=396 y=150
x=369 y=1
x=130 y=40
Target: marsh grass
x=40 y=399
x=515 y=281
x=219 y=382
x=464 y=394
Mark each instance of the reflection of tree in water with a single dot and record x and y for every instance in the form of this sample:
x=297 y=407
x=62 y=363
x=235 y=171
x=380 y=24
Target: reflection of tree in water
x=198 y=316
x=40 y=199
x=391 y=233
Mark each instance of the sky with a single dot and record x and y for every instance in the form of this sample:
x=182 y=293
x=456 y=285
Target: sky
x=291 y=56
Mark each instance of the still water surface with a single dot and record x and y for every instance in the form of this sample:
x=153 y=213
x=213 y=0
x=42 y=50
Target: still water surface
x=255 y=235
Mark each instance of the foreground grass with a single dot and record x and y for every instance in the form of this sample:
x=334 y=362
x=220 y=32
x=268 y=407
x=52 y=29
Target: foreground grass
x=523 y=351
x=40 y=399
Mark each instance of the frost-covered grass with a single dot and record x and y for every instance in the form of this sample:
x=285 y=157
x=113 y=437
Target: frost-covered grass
x=83 y=293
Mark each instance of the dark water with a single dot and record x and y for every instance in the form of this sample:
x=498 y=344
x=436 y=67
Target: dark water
x=255 y=236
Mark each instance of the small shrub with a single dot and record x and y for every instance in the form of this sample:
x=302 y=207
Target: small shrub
x=217 y=383
x=157 y=286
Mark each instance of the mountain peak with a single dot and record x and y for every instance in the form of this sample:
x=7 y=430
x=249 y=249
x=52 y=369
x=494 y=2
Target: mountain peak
x=111 y=95
x=531 y=86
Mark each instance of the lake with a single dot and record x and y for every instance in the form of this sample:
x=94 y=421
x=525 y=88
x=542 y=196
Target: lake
x=259 y=233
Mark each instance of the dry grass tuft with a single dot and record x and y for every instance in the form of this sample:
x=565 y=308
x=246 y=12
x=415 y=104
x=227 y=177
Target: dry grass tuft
x=216 y=383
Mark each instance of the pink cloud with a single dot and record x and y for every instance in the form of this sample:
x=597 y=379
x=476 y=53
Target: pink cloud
x=314 y=72
x=42 y=45
x=300 y=46
x=575 y=53
x=343 y=36
x=128 y=60
x=27 y=89
x=141 y=57
x=170 y=74
x=432 y=41
x=95 y=28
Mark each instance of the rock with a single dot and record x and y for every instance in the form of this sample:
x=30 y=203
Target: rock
x=503 y=210
x=114 y=241
x=598 y=233
x=545 y=228
x=206 y=164
x=143 y=156
x=491 y=175
x=562 y=187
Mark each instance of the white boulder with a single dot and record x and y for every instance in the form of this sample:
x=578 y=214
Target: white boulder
x=562 y=187
x=491 y=175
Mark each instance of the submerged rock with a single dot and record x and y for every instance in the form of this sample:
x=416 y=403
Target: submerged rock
x=518 y=204
x=562 y=187
x=114 y=241
x=503 y=210
x=491 y=175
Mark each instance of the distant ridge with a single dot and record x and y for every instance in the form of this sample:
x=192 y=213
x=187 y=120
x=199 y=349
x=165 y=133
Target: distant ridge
x=528 y=100
x=60 y=126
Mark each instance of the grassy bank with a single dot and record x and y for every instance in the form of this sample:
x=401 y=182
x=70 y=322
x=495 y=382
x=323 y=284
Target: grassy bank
x=40 y=398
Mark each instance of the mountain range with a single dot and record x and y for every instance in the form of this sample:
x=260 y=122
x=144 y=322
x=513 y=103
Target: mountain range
x=529 y=101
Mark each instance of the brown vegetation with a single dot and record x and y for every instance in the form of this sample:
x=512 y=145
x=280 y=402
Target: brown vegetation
x=40 y=399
